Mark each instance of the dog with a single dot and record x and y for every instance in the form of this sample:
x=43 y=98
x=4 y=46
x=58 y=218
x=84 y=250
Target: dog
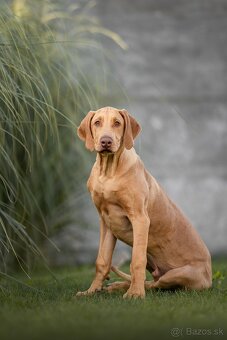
x=134 y=208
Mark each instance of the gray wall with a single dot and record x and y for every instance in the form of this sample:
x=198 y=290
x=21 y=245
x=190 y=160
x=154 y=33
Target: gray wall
x=175 y=76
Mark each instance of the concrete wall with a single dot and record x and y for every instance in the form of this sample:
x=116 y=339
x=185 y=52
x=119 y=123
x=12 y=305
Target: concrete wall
x=175 y=76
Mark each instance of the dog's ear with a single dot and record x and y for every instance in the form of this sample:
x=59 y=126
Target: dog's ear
x=132 y=129
x=84 y=131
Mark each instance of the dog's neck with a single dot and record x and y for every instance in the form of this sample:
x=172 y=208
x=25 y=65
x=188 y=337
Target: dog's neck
x=109 y=164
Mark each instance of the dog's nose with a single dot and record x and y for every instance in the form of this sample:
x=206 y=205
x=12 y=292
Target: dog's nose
x=106 y=142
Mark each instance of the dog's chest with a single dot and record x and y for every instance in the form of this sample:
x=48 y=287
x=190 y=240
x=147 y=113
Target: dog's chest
x=106 y=198
x=102 y=192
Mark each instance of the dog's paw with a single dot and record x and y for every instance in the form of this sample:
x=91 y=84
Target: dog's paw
x=88 y=292
x=84 y=293
x=115 y=286
x=134 y=293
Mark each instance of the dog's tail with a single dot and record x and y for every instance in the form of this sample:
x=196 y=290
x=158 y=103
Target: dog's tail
x=127 y=277
x=121 y=274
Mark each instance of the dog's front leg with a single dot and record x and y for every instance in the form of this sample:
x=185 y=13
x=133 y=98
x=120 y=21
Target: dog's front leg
x=103 y=262
x=140 y=226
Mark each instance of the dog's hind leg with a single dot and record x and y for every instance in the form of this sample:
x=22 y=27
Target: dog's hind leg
x=118 y=285
x=127 y=277
x=188 y=277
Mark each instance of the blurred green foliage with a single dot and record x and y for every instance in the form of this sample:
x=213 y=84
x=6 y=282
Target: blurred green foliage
x=51 y=63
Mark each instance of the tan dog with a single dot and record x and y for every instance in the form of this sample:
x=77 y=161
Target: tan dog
x=134 y=209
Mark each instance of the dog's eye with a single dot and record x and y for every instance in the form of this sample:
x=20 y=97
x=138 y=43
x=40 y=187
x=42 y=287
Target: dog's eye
x=117 y=123
x=97 y=123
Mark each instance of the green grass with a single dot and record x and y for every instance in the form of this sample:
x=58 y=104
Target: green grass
x=43 y=308
x=54 y=68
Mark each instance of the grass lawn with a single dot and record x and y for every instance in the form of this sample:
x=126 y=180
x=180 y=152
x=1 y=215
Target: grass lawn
x=43 y=308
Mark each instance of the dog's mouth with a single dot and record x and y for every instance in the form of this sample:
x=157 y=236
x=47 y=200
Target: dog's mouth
x=106 y=151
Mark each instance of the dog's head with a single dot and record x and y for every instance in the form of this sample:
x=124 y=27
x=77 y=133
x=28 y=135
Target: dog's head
x=107 y=129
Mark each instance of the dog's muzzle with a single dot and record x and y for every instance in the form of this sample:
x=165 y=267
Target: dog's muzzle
x=106 y=143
